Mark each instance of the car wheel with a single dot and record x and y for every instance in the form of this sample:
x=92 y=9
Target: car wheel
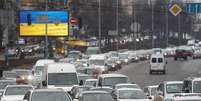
x=186 y=58
x=150 y=72
x=164 y=72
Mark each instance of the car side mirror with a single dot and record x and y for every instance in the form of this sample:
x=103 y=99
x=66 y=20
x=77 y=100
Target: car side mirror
x=99 y=84
x=149 y=97
x=187 y=90
x=44 y=83
x=81 y=83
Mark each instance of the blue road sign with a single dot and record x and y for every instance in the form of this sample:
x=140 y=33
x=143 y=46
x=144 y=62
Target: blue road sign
x=193 y=8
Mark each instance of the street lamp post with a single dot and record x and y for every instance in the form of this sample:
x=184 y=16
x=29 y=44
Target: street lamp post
x=152 y=22
x=167 y=25
x=99 y=24
x=117 y=24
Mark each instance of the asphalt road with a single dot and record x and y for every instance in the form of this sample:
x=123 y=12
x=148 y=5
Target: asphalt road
x=176 y=70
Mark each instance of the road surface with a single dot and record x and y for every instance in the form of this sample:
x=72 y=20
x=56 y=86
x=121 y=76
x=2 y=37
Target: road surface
x=176 y=70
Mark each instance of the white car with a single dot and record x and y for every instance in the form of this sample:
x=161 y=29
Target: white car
x=130 y=94
x=15 y=92
x=126 y=85
x=167 y=89
x=47 y=95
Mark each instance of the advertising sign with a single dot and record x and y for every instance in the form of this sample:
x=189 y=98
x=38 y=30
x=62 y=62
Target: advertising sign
x=33 y=23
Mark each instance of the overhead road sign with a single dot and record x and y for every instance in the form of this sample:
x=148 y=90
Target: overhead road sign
x=175 y=9
x=33 y=23
x=193 y=8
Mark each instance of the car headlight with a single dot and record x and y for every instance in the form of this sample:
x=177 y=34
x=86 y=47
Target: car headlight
x=118 y=62
x=30 y=51
x=125 y=60
x=30 y=77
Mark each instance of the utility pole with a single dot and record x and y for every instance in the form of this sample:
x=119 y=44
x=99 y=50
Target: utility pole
x=179 y=28
x=99 y=24
x=152 y=22
x=134 y=34
x=167 y=25
x=117 y=24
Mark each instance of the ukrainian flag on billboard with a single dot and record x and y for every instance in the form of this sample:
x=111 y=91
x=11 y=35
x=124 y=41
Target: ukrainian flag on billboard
x=33 y=23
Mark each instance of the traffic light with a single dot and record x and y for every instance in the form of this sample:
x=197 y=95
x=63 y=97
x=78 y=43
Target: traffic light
x=79 y=22
x=29 y=19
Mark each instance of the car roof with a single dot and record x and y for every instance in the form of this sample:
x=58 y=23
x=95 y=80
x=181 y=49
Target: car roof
x=121 y=84
x=94 y=92
x=20 y=86
x=173 y=82
x=157 y=55
x=138 y=89
x=112 y=75
x=91 y=79
x=194 y=78
x=104 y=87
x=153 y=86
x=47 y=90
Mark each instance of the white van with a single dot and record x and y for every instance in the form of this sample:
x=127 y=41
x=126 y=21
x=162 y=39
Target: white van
x=111 y=80
x=157 y=63
x=61 y=75
x=39 y=70
x=98 y=62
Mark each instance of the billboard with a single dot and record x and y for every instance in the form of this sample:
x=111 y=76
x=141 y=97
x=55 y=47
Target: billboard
x=33 y=23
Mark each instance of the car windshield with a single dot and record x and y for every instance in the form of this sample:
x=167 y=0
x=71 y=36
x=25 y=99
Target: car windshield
x=131 y=94
x=49 y=96
x=109 y=90
x=4 y=84
x=114 y=55
x=74 y=55
x=127 y=86
x=17 y=90
x=153 y=91
x=97 y=97
x=123 y=56
x=174 y=88
x=23 y=72
x=90 y=83
x=62 y=79
x=39 y=69
x=197 y=87
x=97 y=62
x=112 y=81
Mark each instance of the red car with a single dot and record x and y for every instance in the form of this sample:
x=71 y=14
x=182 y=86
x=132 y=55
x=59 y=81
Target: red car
x=182 y=53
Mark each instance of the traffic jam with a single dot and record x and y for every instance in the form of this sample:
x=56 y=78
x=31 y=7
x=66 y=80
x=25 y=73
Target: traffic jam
x=100 y=50
x=95 y=77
